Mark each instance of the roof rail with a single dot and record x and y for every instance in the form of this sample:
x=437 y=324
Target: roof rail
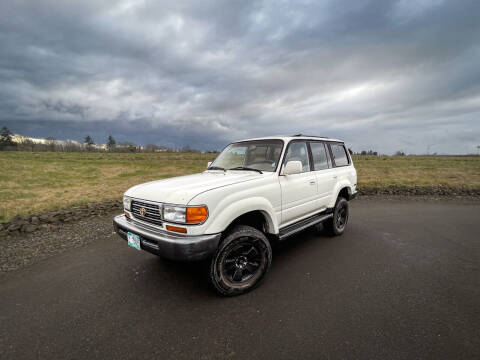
x=315 y=136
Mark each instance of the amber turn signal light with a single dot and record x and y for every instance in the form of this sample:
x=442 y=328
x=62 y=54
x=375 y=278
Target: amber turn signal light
x=176 y=229
x=196 y=215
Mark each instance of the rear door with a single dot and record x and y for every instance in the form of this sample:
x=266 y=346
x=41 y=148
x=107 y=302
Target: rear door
x=341 y=162
x=299 y=191
x=324 y=173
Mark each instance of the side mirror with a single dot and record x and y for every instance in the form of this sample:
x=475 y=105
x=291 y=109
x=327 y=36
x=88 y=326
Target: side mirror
x=293 y=167
x=208 y=164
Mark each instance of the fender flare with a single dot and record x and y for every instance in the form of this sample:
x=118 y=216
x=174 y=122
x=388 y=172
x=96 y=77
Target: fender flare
x=341 y=185
x=225 y=215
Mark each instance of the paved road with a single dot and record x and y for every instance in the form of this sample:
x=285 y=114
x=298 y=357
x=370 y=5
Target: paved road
x=402 y=283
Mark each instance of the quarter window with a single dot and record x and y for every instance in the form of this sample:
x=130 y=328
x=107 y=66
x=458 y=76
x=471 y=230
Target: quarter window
x=297 y=151
x=339 y=154
x=319 y=155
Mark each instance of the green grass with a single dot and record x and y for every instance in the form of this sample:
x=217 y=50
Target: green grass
x=36 y=182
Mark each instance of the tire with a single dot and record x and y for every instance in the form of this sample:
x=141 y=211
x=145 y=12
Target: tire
x=336 y=225
x=241 y=261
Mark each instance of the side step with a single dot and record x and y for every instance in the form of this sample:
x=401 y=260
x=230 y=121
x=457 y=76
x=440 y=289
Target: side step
x=303 y=224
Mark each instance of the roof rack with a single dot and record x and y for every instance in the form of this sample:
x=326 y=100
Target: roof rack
x=314 y=136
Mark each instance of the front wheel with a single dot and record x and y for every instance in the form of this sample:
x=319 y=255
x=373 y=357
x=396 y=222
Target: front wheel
x=336 y=225
x=241 y=261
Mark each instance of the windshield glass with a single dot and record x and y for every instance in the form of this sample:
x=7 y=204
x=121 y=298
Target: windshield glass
x=259 y=154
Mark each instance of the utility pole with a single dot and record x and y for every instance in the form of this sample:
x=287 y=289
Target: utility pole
x=478 y=150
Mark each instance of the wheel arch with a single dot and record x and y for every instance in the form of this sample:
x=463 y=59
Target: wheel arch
x=343 y=189
x=255 y=212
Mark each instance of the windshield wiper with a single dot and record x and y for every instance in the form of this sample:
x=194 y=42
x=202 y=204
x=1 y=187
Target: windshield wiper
x=216 y=168
x=246 y=168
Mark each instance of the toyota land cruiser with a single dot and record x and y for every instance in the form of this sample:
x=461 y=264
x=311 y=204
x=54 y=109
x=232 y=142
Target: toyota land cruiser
x=256 y=191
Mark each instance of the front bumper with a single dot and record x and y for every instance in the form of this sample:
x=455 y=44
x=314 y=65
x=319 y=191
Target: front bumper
x=168 y=245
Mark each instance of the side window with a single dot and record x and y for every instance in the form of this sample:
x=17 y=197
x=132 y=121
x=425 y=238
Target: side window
x=319 y=155
x=340 y=157
x=298 y=151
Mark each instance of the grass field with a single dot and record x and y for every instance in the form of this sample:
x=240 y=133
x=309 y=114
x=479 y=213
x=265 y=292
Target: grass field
x=35 y=182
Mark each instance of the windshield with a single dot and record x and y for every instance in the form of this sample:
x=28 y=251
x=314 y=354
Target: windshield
x=262 y=155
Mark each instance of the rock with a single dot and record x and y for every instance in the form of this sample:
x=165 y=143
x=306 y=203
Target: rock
x=14 y=226
x=35 y=220
x=44 y=218
x=29 y=228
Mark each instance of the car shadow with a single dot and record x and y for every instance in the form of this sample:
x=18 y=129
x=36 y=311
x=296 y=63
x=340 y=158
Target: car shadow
x=193 y=277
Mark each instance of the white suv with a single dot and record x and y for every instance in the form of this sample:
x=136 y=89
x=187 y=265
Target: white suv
x=255 y=192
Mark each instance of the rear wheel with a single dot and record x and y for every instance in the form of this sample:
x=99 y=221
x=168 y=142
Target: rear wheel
x=336 y=225
x=241 y=261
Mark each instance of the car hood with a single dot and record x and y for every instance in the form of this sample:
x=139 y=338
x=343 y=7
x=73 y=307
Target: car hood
x=181 y=189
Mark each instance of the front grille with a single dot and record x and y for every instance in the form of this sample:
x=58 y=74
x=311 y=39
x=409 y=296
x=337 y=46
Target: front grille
x=152 y=214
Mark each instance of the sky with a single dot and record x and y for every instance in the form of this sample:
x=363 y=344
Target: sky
x=382 y=75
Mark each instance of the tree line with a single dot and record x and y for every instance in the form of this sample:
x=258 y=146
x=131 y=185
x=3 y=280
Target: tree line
x=88 y=145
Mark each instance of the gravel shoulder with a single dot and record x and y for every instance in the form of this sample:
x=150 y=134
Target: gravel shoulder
x=26 y=249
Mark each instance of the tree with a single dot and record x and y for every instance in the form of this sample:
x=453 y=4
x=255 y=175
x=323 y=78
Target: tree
x=51 y=143
x=89 y=142
x=6 y=138
x=111 y=143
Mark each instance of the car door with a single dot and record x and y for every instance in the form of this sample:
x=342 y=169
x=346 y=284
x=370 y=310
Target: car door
x=324 y=172
x=299 y=191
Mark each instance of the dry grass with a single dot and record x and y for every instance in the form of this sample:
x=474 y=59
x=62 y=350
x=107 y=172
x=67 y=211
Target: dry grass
x=452 y=171
x=35 y=182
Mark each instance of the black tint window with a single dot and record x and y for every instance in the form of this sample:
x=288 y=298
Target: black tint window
x=339 y=154
x=298 y=151
x=319 y=156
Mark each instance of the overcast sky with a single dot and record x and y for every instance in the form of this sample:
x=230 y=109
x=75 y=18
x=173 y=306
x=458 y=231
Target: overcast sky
x=398 y=75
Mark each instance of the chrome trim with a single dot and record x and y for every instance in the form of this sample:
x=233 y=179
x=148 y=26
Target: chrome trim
x=145 y=225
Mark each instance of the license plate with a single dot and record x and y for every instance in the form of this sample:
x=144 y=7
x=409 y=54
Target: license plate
x=133 y=240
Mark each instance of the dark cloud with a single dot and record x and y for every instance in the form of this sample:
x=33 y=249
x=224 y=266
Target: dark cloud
x=387 y=75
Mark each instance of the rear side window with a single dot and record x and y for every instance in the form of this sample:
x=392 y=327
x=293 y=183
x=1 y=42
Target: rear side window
x=339 y=153
x=319 y=156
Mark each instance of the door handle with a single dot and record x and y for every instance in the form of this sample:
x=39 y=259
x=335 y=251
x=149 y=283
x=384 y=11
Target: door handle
x=312 y=182
x=335 y=176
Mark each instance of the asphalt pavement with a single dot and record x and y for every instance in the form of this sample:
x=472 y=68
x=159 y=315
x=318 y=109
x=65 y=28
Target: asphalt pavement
x=402 y=283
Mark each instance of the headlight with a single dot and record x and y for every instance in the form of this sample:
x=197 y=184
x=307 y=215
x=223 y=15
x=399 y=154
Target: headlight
x=174 y=213
x=185 y=215
x=127 y=203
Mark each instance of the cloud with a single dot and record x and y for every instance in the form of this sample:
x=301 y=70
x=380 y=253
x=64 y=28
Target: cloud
x=379 y=74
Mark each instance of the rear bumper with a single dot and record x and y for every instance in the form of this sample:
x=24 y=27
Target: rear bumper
x=168 y=245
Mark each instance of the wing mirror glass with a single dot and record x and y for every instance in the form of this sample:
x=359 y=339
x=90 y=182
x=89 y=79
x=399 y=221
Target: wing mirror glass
x=293 y=167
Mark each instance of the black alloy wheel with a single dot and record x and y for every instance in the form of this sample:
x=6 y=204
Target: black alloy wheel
x=338 y=222
x=241 y=261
